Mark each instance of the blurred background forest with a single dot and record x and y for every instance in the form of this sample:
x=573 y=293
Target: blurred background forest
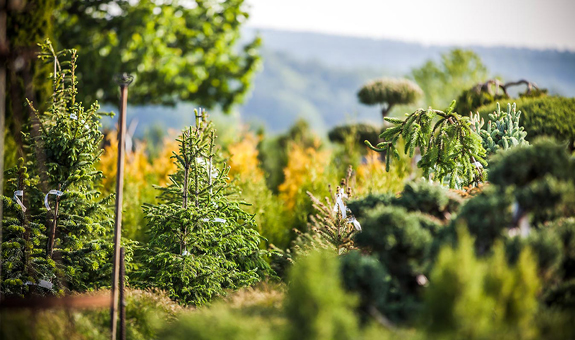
x=302 y=73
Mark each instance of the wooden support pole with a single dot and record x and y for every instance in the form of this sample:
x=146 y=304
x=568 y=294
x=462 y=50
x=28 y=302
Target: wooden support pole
x=123 y=81
x=122 y=294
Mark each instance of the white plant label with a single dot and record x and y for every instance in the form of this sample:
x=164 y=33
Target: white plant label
x=51 y=192
x=21 y=194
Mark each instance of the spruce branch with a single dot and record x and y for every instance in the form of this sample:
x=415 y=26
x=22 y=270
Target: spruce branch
x=450 y=149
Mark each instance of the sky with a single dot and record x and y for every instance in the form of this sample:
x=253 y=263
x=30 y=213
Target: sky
x=536 y=24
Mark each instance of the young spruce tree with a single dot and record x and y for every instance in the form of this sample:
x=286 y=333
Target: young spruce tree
x=57 y=239
x=201 y=242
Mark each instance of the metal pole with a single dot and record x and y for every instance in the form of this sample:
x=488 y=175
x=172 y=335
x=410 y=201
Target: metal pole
x=122 y=295
x=123 y=81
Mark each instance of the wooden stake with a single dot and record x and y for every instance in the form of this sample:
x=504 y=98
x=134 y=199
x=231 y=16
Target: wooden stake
x=122 y=295
x=123 y=81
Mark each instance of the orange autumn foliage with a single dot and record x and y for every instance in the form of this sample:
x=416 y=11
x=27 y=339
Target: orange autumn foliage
x=305 y=166
x=137 y=169
x=244 y=162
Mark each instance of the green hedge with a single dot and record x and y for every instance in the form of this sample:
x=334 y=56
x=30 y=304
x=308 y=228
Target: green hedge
x=551 y=116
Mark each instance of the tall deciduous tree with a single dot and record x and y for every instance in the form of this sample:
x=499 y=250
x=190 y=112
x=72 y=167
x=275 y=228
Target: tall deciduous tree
x=457 y=71
x=177 y=50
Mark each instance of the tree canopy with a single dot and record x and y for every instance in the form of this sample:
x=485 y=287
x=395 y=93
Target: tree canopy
x=441 y=82
x=176 y=50
x=388 y=92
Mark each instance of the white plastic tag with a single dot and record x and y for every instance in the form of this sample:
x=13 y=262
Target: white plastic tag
x=73 y=116
x=45 y=284
x=51 y=192
x=356 y=224
x=41 y=283
x=21 y=194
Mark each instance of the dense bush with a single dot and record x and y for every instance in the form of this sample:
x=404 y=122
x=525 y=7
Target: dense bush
x=316 y=305
x=481 y=299
x=360 y=132
x=399 y=241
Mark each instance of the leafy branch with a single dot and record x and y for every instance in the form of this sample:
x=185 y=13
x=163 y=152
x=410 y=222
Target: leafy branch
x=450 y=149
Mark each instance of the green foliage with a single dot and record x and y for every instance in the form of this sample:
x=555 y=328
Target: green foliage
x=201 y=242
x=541 y=189
x=399 y=241
x=484 y=94
x=450 y=149
x=388 y=92
x=360 y=207
x=360 y=131
x=481 y=299
x=403 y=233
x=441 y=82
x=147 y=313
x=218 y=323
x=544 y=184
x=544 y=116
x=175 y=51
x=429 y=199
x=27 y=24
x=61 y=155
x=22 y=256
x=503 y=130
x=367 y=277
x=479 y=95
x=333 y=224
x=316 y=306
x=487 y=216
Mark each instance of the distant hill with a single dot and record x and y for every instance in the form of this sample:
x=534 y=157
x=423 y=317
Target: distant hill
x=548 y=68
x=316 y=76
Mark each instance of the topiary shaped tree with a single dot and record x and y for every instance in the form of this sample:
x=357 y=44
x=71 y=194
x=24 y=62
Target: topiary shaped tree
x=201 y=242
x=389 y=92
x=492 y=91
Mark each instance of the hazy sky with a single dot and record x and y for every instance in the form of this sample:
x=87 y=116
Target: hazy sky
x=520 y=23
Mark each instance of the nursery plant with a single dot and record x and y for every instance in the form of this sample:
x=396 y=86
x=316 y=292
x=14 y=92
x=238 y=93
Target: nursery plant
x=451 y=151
x=333 y=224
x=201 y=242
x=493 y=91
x=503 y=129
x=544 y=116
x=58 y=223
x=388 y=92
